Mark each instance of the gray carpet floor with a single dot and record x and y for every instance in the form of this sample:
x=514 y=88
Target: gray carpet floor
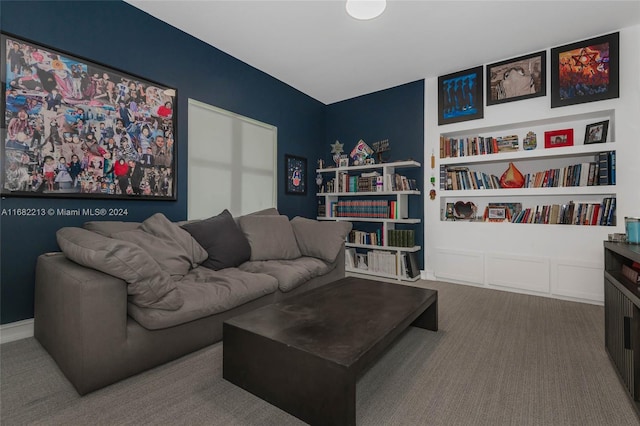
x=498 y=359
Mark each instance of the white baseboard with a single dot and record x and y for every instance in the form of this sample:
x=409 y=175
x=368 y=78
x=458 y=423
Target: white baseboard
x=16 y=330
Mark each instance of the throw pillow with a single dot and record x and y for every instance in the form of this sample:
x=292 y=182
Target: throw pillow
x=224 y=242
x=148 y=286
x=169 y=245
x=110 y=227
x=270 y=237
x=322 y=240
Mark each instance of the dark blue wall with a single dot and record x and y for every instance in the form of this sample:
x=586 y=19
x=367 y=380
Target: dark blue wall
x=117 y=34
x=396 y=114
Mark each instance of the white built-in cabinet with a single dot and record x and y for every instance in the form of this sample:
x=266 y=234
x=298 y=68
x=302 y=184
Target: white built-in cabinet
x=531 y=258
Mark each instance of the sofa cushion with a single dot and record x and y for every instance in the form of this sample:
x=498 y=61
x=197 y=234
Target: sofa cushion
x=207 y=292
x=224 y=242
x=289 y=273
x=148 y=286
x=170 y=246
x=270 y=237
x=320 y=239
x=110 y=227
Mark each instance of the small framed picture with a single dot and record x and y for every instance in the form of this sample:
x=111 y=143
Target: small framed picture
x=498 y=212
x=460 y=96
x=449 y=213
x=558 y=138
x=596 y=132
x=344 y=162
x=295 y=175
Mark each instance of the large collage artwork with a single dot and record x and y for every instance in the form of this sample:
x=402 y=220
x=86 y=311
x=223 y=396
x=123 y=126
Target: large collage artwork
x=73 y=128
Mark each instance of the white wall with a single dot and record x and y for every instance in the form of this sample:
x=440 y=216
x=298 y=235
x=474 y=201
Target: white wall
x=559 y=261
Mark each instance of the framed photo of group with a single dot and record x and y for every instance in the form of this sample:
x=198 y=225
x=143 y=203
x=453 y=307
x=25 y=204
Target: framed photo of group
x=460 y=96
x=74 y=128
x=585 y=71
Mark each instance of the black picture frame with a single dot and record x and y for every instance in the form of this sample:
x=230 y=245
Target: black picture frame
x=117 y=129
x=454 y=103
x=524 y=77
x=586 y=71
x=596 y=132
x=295 y=175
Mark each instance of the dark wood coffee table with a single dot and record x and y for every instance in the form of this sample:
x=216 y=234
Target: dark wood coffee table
x=305 y=354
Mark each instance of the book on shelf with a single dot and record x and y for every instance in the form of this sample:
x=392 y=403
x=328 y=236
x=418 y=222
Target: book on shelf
x=632 y=274
x=475 y=145
x=507 y=143
x=365 y=238
x=413 y=270
x=401 y=237
x=397 y=182
x=350 y=258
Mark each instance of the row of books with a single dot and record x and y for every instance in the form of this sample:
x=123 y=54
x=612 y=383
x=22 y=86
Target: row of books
x=373 y=209
x=383 y=262
x=600 y=172
x=401 y=237
x=476 y=145
x=370 y=182
x=582 y=174
x=362 y=237
x=587 y=213
x=632 y=272
x=459 y=178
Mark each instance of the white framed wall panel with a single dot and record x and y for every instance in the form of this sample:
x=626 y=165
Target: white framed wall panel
x=528 y=273
x=578 y=279
x=459 y=266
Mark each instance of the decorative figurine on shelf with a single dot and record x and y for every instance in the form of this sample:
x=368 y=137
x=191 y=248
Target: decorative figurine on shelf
x=512 y=178
x=321 y=163
x=464 y=210
x=319 y=181
x=360 y=153
x=381 y=147
x=530 y=141
x=336 y=150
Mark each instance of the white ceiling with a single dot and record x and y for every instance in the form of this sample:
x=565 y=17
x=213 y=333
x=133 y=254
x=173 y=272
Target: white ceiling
x=315 y=47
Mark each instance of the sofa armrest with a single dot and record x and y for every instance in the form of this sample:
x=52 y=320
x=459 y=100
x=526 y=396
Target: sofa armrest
x=80 y=317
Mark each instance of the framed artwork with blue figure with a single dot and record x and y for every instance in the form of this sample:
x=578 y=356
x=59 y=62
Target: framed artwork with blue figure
x=295 y=175
x=460 y=96
x=74 y=128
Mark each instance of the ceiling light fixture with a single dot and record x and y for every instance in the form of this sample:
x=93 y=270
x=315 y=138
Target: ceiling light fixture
x=366 y=9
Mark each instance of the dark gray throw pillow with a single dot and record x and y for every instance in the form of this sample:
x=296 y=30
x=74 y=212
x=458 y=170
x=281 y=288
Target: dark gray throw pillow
x=225 y=243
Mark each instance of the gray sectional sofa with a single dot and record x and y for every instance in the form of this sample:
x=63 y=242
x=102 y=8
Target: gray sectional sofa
x=123 y=297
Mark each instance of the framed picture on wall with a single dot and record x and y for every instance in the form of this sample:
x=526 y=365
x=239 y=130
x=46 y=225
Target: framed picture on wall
x=585 y=71
x=460 y=96
x=516 y=79
x=295 y=175
x=79 y=129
